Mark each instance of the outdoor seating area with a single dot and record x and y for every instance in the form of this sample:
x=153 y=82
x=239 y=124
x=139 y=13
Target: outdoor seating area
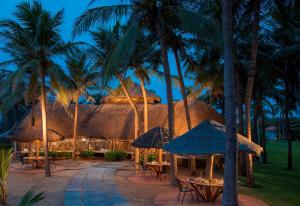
x=149 y=103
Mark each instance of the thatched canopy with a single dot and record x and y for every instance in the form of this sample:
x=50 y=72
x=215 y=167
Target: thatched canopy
x=208 y=138
x=154 y=138
x=109 y=121
x=117 y=95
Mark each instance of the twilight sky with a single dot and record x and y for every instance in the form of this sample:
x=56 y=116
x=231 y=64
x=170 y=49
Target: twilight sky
x=74 y=8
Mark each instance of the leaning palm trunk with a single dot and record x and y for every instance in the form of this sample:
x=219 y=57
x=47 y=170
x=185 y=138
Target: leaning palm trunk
x=230 y=172
x=165 y=62
x=146 y=121
x=44 y=123
x=75 y=129
x=136 y=120
x=249 y=91
x=185 y=103
x=5 y=158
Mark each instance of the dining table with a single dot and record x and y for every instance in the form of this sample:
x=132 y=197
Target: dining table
x=208 y=190
x=159 y=168
x=38 y=162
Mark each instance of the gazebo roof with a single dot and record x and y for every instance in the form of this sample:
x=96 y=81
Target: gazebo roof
x=153 y=138
x=208 y=138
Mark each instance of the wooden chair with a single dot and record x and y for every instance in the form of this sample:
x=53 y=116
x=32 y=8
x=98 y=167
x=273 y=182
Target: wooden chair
x=183 y=187
x=52 y=162
x=145 y=169
x=25 y=162
x=165 y=171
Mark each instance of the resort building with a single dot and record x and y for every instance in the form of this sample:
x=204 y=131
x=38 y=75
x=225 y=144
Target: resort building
x=108 y=126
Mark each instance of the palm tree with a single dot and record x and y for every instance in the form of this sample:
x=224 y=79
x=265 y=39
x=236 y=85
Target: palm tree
x=5 y=158
x=230 y=176
x=106 y=41
x=82 y=79
x=151 y=16
x=32 y=41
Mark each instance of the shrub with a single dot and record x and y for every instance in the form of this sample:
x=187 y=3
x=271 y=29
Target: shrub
x=86 y=154
x=58 y=154
x=151 y=157
x=115 y=155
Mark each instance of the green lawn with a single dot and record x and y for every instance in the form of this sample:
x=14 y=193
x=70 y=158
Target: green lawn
x=274 y=183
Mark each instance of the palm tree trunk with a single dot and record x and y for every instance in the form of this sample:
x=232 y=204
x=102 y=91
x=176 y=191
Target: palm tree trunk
x=287 y=130
x=144 y=92
x=255 y=119
x=136 y=120
x=75 y=125
x=44 y=122
x=146 y=121
x=263 y=131
x=249 y=90
x=183 y=92
x=171 y=120
x=230 y=171
x=32 y=113
x=239 y=98
x=185 y=104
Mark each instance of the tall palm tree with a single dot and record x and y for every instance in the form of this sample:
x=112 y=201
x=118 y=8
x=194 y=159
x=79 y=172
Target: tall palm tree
x=106 y=42
x=230 y=176
x=82 y=80
x=32 y=41
x=151 y=16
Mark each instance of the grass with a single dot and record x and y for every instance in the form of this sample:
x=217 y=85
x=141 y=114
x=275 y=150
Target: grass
x=276 y=185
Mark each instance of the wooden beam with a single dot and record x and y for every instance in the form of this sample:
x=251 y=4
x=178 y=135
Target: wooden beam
x=209 y=166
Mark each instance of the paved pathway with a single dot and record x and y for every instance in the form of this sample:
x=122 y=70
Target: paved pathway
x=95 y=186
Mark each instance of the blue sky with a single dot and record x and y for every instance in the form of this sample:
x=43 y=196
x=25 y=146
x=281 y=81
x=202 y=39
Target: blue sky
x=74 y=8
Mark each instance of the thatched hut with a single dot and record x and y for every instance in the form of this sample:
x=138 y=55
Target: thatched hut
x=106 y=126
x=117 y=95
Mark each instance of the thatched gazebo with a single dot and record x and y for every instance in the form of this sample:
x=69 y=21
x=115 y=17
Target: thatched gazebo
x=208 y=139
x=154 y=138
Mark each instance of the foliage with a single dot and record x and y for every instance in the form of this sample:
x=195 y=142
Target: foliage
x=30 y=199
x=86 y=154
x=115 y=155
x=151 y=157
x=274 y=183
x=5 y=158
x=58 y=154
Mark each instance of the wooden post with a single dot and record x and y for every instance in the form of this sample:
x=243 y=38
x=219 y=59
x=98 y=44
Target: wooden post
x=160 y=155
x=175 y=166
x=209 y=166
x=37 y=154
x=193 y=166
x=145 y=156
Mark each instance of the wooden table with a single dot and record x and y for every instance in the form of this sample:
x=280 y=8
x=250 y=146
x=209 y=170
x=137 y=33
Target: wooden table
x=209 y=191
x=159 y=168
x=38 y=161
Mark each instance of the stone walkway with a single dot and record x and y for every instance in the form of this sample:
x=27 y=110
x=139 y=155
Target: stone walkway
x=95 y=186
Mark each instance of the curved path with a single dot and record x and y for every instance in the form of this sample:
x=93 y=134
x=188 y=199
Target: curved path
x=95 y=186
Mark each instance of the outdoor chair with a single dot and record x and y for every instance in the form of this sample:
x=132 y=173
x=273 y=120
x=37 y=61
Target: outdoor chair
x=183 y=187
x=52 y=162
x=165 y=172
x=145 y=169
x=25 y=162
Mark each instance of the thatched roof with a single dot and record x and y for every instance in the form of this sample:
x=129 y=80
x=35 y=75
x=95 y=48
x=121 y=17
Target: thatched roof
x=117 y=95
x=208 y=138
x=154 y=138
x=110 y=120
